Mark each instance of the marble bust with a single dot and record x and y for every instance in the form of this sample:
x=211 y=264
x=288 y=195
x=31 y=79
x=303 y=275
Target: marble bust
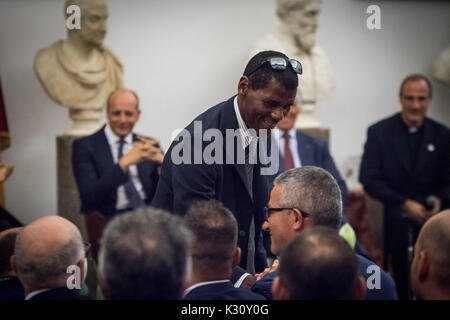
x=296 y=37
x=441 y=67
x=79 y=72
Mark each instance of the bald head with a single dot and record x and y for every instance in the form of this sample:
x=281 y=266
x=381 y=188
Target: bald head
x=46 y=236
x=432 y=256
x=44 y=249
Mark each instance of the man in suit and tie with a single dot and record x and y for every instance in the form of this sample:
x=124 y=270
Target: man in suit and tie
x=115 y=170
x=299 y=149
x=266 y=91
x=214 y=254
x=406 y=165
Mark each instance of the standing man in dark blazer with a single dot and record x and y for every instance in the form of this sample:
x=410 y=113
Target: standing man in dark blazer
x=406 y=165
x=115 y=170
x=266 y=91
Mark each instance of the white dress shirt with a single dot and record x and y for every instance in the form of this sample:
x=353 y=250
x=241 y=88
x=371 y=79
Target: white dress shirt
x=247 y=136
x=113 y=141
x=293 y=144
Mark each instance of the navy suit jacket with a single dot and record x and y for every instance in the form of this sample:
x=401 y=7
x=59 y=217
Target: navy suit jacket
x=60 y=294
x=386 y=168
x=180 y=185
x=314 y=152
x=221 y=291
x=386 y=291
x=98 y=178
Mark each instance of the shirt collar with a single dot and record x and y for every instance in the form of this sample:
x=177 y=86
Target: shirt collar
x=113 y=138
x=246 y=135
x=203 y=284
x=278 y=134
x=34 y=293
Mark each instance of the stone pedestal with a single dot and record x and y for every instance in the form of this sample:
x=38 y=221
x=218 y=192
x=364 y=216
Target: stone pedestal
x=68 y=199
x=321 y=133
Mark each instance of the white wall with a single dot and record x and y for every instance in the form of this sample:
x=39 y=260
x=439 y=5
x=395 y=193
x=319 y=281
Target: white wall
x=185 y=56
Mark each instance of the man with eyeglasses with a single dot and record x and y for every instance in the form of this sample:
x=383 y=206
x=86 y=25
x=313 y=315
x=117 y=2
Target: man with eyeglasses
x=266 y=91
x=303 y=198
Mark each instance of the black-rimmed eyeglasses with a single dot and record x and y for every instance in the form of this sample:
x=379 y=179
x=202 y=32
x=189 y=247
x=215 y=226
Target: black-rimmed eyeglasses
x=268 y=212
x=87 y=248
x=279 y=63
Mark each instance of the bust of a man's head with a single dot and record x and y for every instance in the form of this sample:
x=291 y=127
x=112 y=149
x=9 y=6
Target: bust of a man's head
x=94 y=16
x=302 y=18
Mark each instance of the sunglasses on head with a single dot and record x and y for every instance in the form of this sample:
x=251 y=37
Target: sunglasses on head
x=279 y=63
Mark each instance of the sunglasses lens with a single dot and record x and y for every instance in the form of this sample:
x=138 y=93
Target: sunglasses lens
x=278 y=63
x=296 y=65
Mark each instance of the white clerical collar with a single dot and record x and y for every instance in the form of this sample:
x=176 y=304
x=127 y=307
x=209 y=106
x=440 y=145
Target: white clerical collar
x=246 y=135
x=203 y=284
x=412 y=129
x=113 y=138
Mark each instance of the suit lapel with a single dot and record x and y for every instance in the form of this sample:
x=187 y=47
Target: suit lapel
x=229 y=121
x=304 y=150
x=103 y=149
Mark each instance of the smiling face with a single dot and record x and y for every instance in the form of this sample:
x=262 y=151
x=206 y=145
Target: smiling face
x=415 y=99
x=122 y=112
x=280 y=223
x=264 y=108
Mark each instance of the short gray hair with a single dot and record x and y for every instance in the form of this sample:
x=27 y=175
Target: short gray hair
x=215 y=231
x=144 y=255
x=314 y=190
x=52 y=270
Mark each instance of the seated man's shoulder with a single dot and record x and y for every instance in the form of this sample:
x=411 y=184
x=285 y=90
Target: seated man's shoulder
x=318 y=142
x=264 y=285
x=381 y=288
x=88 y=139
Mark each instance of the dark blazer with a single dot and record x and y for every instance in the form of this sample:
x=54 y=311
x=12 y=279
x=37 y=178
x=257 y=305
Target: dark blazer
x=386 y=171
x=11 y=288
x=98 y=178
x=386 y=291
x=60 y=294
x=221 y=291
x=180 y=185
x=314 y=152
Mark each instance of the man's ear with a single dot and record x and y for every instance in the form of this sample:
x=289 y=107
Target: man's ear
x=360 y=289
x=80 y=265
x=243 y=86
x=424 y=266
x=299 y=221
x=237 y=257
x=12 y=262
x=279 y=292
x=101 y=283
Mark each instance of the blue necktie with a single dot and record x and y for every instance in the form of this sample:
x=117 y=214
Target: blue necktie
x=134 y=199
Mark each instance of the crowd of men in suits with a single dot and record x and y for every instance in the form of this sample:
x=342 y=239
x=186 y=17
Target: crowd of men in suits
x=161 y=228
